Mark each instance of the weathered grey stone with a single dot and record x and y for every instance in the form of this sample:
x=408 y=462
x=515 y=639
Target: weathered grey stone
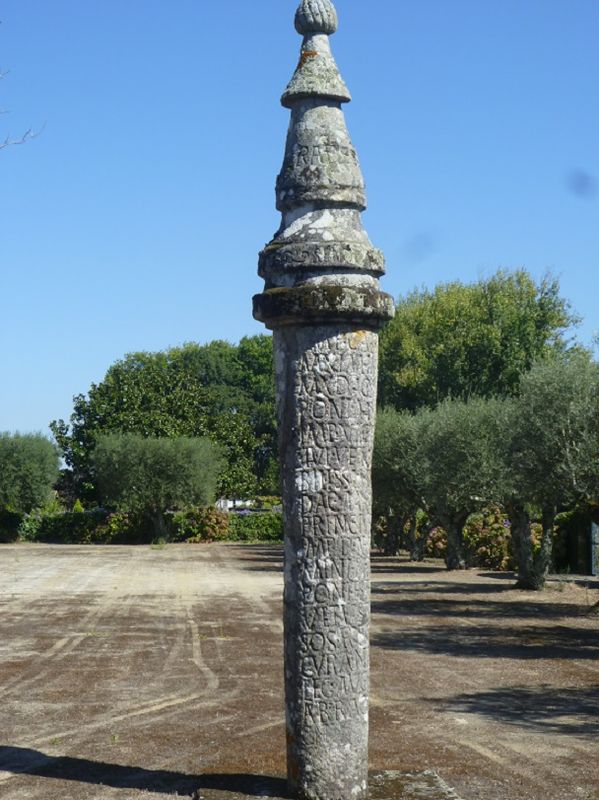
x=326 y=386
x=321 y=164
x=316 y=74
x=316 y=16
x=322 y=299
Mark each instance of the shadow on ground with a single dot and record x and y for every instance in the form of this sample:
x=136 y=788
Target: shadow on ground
x=472 y=609
x=570 y=710
x=24 y=761
x=481 y=641
x=261 y=558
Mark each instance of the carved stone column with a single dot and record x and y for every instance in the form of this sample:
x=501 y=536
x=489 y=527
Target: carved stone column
x=322 y=300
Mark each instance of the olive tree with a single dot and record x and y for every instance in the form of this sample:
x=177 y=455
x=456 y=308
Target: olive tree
x=149 y=476
x=398 y=472
x=552 y=459
x=460 y=463
x=28 y=471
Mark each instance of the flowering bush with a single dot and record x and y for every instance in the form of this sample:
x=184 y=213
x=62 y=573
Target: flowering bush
x=487 y=538
x=436 y=546
x=202 y=524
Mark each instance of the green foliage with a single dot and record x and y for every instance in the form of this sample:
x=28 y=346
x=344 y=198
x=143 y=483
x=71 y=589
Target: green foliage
x=121 y=527
x=552 y=457
x=267 y=502
x=555 y=432
x=398 y=468
x=218 y=390
x=201 y=524
x=150 y=476
x=530 y=454
x=28 y=470
x=465 y=340
x=65 y=528
x=256 y=527
x=29 y=526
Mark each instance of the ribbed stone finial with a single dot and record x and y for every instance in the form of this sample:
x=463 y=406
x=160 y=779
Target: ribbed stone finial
x=316 y=16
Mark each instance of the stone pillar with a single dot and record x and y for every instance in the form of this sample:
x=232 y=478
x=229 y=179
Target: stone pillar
x=322 y=300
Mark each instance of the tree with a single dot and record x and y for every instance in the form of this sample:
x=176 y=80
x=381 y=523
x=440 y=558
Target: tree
x=534 y=454
x=552 y=459
x=441 y=461
x=218 y=390
x=398 y=476
x=470 y=340
x=149 y=476
x=459 y=466
x=28 y=470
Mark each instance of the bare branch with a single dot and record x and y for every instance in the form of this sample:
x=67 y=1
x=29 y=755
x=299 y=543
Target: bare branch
x=26 y=137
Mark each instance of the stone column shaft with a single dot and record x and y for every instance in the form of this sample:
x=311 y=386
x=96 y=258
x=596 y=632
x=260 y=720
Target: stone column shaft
x=326 y=379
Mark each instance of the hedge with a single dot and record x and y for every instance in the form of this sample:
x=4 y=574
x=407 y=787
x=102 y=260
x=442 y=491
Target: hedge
x=256 y=527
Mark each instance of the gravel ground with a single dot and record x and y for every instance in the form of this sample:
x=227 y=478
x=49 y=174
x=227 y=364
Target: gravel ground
x=133 y=672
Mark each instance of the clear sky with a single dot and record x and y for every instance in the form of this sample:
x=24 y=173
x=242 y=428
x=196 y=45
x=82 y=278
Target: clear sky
x=134 y=220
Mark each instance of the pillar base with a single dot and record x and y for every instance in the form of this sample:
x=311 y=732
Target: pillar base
x=388 y=785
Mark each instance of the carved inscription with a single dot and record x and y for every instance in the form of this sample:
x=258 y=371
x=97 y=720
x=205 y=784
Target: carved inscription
x=322 y=154
x=331 y=381
x=308 y=254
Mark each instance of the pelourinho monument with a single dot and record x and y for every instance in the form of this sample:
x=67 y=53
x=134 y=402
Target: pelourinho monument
x=322 y=300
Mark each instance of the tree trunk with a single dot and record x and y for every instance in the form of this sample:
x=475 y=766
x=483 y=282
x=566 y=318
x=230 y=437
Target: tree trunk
x=545 y=554
x=455 y=557
x=159 y=524
x=532 y=567
x=522 y=544
x=393 y=538
x=416 y=543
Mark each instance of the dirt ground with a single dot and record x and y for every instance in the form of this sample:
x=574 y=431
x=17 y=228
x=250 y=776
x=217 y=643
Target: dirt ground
x=132 y=672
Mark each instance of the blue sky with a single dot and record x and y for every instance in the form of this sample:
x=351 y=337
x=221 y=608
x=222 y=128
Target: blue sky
x=134 y=220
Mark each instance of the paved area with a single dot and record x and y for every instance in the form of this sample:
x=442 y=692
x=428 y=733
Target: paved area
x=132 y=672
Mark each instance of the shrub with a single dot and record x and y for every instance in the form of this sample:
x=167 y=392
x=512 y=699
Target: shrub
x=29 y=527
x=70 y=527
x=202 y=524
x=267 y=502
x=436 y=546
x=120 y=527
x=487 y=539
x=256 y=527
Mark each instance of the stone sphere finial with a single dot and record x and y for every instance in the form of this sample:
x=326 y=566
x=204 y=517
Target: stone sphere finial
x=316 y=16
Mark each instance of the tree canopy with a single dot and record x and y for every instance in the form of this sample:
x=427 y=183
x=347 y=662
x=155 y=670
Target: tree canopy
x=149 y=475
x=28 y=471
x=218 y=390
x=463 y=340
x=533 y=454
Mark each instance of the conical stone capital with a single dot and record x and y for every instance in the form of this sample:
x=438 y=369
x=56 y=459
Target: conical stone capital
x=321 y=265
